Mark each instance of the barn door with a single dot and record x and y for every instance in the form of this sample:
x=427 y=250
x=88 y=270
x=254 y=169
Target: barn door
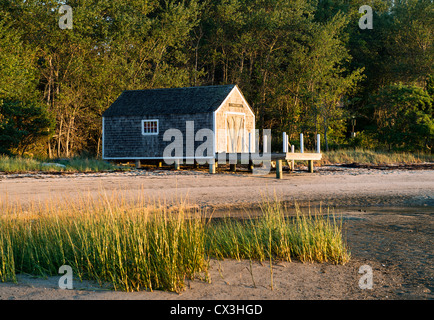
x=235 y=124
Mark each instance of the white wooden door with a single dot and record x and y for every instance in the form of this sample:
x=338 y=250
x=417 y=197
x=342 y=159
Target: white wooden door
x=235 y=132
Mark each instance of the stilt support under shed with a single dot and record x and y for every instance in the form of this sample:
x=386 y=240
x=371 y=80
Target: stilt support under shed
x=138 y=164
x=177 y=164
x=212 y=167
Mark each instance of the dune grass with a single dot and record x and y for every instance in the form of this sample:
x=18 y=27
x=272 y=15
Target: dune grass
x=21 y=164
x=363 y=156
x=148 y=246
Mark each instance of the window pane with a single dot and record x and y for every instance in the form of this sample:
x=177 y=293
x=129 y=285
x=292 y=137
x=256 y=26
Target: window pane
x=150 y=127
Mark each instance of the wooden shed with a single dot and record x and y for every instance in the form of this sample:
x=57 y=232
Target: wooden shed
x=134 y=125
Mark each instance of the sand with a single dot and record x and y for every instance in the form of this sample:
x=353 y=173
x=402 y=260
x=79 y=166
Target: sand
x=387 y=222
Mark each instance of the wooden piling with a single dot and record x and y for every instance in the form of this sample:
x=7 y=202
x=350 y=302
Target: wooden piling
x=310 y=166
x=250 y=166
x=279 y=169
x=233 y=167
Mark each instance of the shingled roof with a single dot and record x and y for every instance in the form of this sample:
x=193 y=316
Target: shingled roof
x=169 y=101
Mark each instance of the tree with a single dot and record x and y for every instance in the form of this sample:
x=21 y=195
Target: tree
x=18 y=73
x=22 y=124
x=404 y=117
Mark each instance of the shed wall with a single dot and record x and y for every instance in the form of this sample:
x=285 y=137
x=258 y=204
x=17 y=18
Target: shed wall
x=123 y=137
x=233 y=104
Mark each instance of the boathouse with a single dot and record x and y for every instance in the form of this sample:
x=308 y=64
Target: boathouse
x=133 y=127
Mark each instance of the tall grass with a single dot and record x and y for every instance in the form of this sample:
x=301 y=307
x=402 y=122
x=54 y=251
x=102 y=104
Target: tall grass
x=305 y=237
x=20 y=164
x=148 y=246
x=363 y=156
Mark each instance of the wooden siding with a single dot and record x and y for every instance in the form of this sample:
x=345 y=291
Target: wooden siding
x=123 y=135
x=236 y=104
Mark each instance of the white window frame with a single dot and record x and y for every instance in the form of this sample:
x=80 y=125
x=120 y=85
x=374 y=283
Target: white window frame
x=150 y=133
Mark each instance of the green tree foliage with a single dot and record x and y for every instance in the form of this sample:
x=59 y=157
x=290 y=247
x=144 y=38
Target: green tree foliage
x=18 y=73
x=403 y=117
x=304 y=65
x=22 y=124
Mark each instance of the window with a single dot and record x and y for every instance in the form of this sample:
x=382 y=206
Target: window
x=149 y=127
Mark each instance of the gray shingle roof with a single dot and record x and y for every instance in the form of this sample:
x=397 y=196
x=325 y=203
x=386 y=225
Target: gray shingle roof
x=169 y=101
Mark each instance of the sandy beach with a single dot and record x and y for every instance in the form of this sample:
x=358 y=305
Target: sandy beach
x=330 y=185
x=387 y=218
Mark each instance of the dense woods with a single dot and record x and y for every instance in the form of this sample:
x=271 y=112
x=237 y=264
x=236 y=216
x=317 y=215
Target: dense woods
x=303 y=65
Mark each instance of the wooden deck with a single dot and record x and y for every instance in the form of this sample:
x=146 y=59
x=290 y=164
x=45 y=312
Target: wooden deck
x=273 y=156
x=255 y=158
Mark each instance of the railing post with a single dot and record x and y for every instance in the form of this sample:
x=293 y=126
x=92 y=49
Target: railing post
x=264 y=143
x=318 y=143
x=301 y=143
x=250 y=142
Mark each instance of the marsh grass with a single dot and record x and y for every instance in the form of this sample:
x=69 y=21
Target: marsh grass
x=21 y=164
x=150 y=246
x=363 y=156
x=275 y=235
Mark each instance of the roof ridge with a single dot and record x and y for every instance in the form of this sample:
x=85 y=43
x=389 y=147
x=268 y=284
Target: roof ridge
x=178 y=88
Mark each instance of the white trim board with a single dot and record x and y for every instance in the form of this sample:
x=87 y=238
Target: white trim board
x=102 y=152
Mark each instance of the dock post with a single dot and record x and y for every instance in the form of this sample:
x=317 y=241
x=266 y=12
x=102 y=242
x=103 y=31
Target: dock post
x=233 y=167
x=278 y=169
x=177 y=164
x=250 y=165
x=310 y=166
x=318 y=143
x=301 y=143
x=285 y=143
x=292 y=161
x=138 y=164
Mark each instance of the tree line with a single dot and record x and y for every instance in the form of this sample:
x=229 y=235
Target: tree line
x=303 y=65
